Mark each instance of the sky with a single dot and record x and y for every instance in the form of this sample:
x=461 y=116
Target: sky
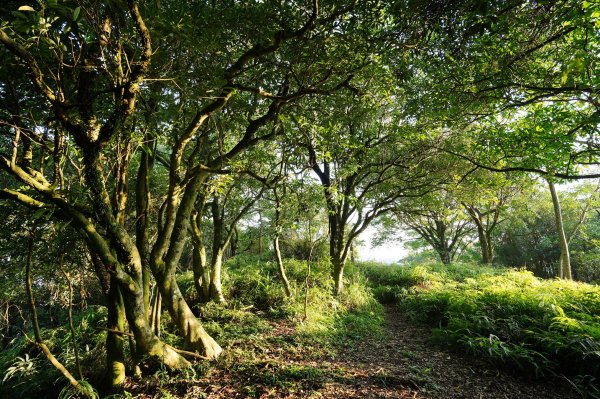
x=389 y=252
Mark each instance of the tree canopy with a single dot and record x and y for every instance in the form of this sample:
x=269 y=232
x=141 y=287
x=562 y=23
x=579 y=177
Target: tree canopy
x=141 y=139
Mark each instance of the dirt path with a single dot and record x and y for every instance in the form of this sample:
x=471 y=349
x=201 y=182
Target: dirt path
x=400 y=363
x=405 y=365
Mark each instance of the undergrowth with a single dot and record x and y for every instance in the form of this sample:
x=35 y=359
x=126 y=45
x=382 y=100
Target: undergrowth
x=316 y=323
x=537 y=327
x=25 y=371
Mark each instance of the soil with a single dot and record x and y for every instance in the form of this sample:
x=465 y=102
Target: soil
x=401 y=362
x=406 y=365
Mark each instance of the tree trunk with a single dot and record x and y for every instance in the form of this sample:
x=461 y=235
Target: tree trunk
x=201 y=274
x=216 y=291
x=280 y=267
x=146 y=342
x=196 y=338
x=337 y=254
x=486 y=246
x=218 y=247
x=445 y=255
x=165 y=257
x=565 y=260
x=199 y=266
x=338 y=277
x=155 y=311
x=115 y=358
x=338 y=260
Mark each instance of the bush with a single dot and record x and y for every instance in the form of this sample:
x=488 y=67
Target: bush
x=254 y=291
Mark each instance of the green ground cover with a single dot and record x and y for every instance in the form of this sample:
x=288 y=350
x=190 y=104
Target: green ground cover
x=539 y=327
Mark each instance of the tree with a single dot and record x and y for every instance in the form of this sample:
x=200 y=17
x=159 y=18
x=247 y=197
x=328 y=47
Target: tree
x=365 y=163
x=485 y=195
x=528 y=236
x=439 y=221
x=85 y=71
x=565 y=258
x=228 y=205
x=521 y=89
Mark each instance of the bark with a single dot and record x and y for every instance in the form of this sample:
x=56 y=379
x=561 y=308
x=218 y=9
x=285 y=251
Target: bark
x=337 y=253
x=222 y=236
x=115 y=357
x=155 y=312
x=444 y=254
x=486 y=222
x=215 y=287
x=196 y=338
x=125 y=264
x=147 y=344
x=485 y=242
x=199 y=265
x=142 y=205
x=279 y=260
x=565 y=260
x=280 y=267
x=338 y=276
x=338 y=259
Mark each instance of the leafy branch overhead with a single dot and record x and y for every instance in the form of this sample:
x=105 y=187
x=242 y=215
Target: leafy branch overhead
x=157 y=148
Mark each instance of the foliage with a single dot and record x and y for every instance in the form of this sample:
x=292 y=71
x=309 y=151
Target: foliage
x=125 y=122
x=514 y=319
x=26 y=372
x=528 y=238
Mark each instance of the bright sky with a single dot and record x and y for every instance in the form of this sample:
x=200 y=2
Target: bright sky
x=389 y=252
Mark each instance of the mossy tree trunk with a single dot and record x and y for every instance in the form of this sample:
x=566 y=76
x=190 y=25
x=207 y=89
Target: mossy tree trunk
x=200 y=268
x=115 y=357
x=218 y=247
x=565 y=259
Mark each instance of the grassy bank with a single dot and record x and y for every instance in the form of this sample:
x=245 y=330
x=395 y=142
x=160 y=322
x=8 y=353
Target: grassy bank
x=538 y=327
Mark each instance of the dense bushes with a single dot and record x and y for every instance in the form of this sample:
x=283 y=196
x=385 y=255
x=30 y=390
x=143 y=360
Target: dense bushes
x=539 y=327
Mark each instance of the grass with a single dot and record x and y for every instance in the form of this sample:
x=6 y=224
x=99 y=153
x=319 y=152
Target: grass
x=537 y=327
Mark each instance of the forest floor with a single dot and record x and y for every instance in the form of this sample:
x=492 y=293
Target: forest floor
x=398 y=362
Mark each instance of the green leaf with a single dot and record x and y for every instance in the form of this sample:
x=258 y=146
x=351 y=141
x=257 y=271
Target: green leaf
x=76 y=13
x=39 y=213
